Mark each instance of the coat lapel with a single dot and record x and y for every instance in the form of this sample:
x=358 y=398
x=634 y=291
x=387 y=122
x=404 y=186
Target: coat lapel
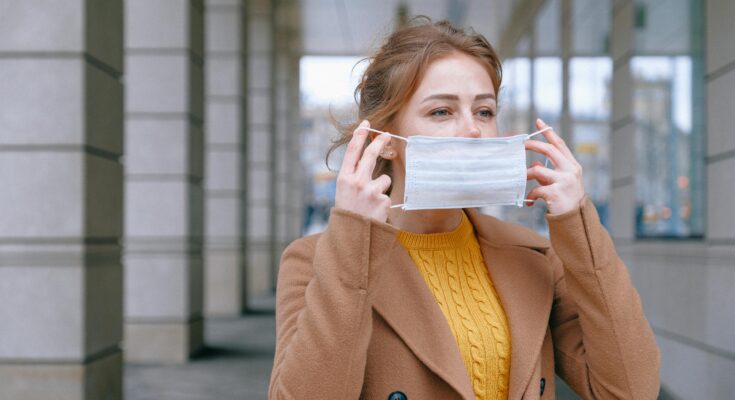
x=525 y=285
x=406 y=303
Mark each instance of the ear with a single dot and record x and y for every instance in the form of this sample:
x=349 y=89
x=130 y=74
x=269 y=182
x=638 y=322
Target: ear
x=389 y=152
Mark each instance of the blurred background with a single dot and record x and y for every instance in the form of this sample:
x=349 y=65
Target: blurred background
x=156 y=156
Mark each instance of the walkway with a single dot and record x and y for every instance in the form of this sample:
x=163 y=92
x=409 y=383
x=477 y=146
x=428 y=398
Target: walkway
x=236 y=364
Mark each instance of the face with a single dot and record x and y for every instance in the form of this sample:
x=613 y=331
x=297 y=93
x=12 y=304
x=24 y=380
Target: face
x=455 y=98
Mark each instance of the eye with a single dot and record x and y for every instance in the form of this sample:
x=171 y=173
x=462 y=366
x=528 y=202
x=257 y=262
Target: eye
x=442 y=112
x=486 y=113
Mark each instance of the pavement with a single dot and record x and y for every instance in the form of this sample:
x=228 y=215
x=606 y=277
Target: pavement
x=235 y=364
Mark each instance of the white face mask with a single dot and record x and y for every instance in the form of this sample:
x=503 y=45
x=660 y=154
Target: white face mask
x=456 y=172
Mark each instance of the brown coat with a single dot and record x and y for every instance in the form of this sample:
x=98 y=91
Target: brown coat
x=355 y=319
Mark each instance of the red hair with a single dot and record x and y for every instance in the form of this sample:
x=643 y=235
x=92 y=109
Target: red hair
x=397 y=68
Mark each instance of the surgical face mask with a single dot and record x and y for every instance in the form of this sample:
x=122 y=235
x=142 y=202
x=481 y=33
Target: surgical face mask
x=456 y=172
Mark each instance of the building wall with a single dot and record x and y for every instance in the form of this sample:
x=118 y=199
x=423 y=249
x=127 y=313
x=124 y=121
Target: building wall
x=61 y=199
x=685 y=284
x=686 y=287
x=116 y=198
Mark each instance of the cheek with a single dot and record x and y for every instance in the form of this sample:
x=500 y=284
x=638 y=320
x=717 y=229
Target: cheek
x=491 y=129
x=432 y=127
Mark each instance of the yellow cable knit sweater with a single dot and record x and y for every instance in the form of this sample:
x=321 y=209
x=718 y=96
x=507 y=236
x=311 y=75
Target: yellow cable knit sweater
x=452 y=266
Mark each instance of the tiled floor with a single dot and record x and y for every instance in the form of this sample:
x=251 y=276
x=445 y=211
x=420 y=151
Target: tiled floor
x=236 y=364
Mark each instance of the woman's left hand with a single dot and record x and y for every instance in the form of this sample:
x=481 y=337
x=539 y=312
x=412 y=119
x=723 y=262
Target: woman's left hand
x=561 y=188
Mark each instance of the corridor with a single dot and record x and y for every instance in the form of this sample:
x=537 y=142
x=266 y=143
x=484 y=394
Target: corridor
x=235 y=364
x=157 y=157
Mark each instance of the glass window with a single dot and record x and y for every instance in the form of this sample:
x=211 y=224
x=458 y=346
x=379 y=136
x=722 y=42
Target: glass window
x=547 y=29
x=668 y=75
x=515 y=96
x=547 y=90
x=589 y=107
x=590 y=28
x=327 y=85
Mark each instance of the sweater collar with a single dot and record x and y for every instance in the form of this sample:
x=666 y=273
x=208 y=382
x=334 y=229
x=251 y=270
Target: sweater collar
x=456 y=238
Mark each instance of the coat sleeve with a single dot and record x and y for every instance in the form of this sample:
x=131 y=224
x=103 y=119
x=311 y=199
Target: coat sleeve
x=603 y=345
x=323 y=309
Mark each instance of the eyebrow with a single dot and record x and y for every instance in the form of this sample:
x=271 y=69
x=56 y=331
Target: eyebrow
x=443 y=96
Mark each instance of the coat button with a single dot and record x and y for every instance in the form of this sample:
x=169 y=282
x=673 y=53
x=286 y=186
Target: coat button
x=397 y=396
x=543 y=386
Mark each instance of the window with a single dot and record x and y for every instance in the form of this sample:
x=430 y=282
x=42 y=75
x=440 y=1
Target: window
x=667 y=73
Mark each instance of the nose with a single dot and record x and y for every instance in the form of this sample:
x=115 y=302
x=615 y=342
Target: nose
x=469 y=127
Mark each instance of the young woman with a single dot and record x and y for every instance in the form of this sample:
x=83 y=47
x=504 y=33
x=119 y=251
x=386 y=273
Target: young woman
x=448 y=303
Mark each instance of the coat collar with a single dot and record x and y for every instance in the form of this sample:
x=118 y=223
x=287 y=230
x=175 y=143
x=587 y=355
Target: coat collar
x=524 y=282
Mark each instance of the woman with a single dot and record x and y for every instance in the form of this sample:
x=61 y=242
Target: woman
x=447 y=303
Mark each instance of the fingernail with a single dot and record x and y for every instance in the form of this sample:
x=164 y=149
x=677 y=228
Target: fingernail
x=364 y=123
x=541 y=122
x=360 y=129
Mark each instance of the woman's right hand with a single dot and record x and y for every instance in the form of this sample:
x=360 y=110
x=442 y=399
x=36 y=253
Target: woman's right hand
x=357 y=191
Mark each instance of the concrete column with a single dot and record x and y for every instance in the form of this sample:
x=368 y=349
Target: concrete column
x=297 y=174
x=622 y=129
x=532 y=54
x=288 y=177
x=226 y=163
x=720 y=92
x=565 y=27
x=61 y=121
x=163 y=193
x=261 y=147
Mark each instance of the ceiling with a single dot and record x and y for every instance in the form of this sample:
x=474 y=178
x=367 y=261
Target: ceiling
x=355 y=27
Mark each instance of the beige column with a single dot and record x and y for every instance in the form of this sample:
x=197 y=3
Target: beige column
x=720 y=92
x=61 y=121
x=566 y=29
x=225 y=158
x=297 y=173
x=261 y=147
x=288 y=174
x=163 y=189
x=622 y=128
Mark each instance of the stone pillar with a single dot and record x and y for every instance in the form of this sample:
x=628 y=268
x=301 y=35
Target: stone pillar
x=532 y=54
x=288 y=174
x=163 y=192
x=261 y=147
x=565 y=28
x=297 y=173
x=622 y=128
x=61 y=121
x=720 y=92
x=224 y=184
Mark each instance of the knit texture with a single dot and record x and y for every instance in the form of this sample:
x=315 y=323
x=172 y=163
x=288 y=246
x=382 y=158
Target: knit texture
x=453 y=267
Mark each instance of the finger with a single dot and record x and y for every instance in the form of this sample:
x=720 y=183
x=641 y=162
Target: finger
x=551 y=152
x=544 y=176
x=541 y=192
x=536 y=163
x=369 y=157
x=354 y=147
x=381 y=183
x=553 y=138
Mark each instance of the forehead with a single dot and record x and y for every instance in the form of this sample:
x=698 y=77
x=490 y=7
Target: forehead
x=457 y=73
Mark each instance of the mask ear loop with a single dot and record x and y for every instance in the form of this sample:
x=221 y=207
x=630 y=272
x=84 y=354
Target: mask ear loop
x=386 y=133
x=395 y=137
x=546 y=162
